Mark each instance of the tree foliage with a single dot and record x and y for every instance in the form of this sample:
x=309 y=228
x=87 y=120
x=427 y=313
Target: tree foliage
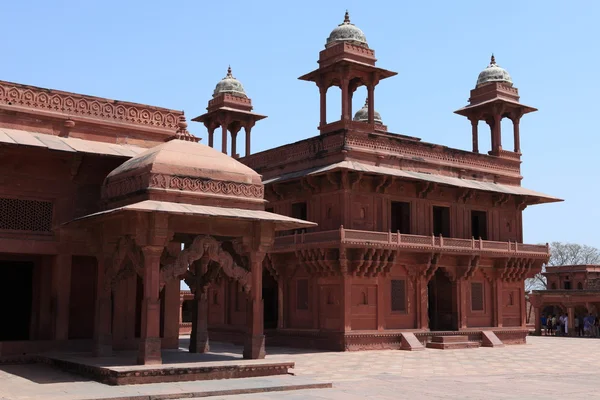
x=564 y=254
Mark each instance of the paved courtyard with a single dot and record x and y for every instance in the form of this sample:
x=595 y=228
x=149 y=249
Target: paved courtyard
x=547 y=367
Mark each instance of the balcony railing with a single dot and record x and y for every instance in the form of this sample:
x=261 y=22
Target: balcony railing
x=403 y=241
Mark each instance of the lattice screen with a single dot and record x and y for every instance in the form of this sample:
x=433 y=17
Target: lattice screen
x=302 y=294
x=25 y=215
x=398 y=295
x=477 y=296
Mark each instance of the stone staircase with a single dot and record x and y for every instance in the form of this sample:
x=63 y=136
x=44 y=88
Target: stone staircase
x=451 y=342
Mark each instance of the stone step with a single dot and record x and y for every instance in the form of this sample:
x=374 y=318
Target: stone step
x=449 y=339
x=453 y=345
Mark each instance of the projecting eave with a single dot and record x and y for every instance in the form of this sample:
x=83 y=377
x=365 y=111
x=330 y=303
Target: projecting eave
x=230 y=110
x=281 y=222
x=468 y=110
x=359 y=66
x=536 y=197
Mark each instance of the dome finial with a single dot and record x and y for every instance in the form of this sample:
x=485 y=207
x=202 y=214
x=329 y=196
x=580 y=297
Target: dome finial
x=493 y=60
x=229 y=75
x=347 y=17
x=366 y=102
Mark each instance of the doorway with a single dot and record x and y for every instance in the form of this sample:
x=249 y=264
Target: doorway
x=442 y=311
x=441 y=221
x=270 y=301
x=479 y=224
x=15 y=299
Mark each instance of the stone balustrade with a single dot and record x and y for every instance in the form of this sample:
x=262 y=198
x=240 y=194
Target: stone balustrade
x=357 y=238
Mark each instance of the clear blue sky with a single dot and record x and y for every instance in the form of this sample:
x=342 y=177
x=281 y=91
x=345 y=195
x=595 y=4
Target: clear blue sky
x=172 y=54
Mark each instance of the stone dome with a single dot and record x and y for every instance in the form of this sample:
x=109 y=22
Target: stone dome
x=493 y=73
x=346 y=32
x=184 y=172
x=362 y=115
x=230 y=85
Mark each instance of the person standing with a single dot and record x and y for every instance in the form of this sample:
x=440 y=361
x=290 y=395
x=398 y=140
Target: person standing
x=579 y=325
x=566 y=324
x=544 y=325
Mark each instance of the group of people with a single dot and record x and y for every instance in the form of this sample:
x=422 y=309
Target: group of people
x=559 y=325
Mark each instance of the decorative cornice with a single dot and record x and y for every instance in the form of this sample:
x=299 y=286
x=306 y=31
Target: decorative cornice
x=137 y=183
x=87 y=106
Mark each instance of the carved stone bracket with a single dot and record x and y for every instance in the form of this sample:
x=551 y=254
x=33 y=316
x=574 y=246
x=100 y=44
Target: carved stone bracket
x=374 y=262
x=424 y=188
x=465 y=195
x=204 y=245
x=500 y=199
x=432 y=265
x=126 y=261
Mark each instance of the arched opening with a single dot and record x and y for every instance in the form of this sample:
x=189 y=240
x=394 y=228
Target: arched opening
x=358 y=100
x=484 y=134
x=270 y=303
x=442 y=311
x=334 y=104
x=508 y=142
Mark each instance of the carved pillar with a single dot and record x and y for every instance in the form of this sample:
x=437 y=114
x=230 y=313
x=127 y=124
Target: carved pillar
x=571 y=321
x=346 y=305
x=254 y=344
x=421 y=300
x=498 y=302
x=199 y=337
x=345 y=90
x=150 y=342
x=474 y=125
x=382 y=304
x=172 y=314
x=234 y=133
x=497 y=133
x=323 y=108
x=211 y=136
x=490 y=122
x=248 y=129
x=224 y=137
x=102 y=317
x=280 y=303
x=61 y=291
x=516 y=120
x=538 y=321
x=464 y=304
x=371 y=103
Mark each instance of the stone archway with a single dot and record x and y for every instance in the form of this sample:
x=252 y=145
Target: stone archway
x=442 y=302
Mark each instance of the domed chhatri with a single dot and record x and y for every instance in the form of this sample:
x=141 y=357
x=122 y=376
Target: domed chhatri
x=493 y=73
x=230 y=85
x=182 y=171
x=362 y=115
x=346 y=32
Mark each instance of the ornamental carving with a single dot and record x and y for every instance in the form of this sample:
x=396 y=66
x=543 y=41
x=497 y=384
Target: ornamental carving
x=198 y=185
x=127 y=261
x=209 y=246
x=83 y=106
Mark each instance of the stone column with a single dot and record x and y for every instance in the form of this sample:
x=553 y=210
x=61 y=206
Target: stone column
x=346 y=303
x=371 y=103
x=464 y=304
x=571 y=324
x=211 y=136
x=280 y=303
x=172 y=315
x=323 y=108
x=247 y=130
x=224 y=137
x=538 y=321
x=498 y=302
x=345 y=91
x=199 y=335
x=254 y=344
x=497 y=134
x=234 y=143
x=61 y=292
x=422 y=297
x=516 y=121
x=150 y=342
x=474 y=127
x=102 y=318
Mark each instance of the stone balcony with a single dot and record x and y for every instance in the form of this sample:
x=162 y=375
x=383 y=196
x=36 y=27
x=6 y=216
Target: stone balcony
x=414 y=243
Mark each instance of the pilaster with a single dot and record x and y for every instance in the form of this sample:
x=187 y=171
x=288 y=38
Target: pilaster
x=150 y=342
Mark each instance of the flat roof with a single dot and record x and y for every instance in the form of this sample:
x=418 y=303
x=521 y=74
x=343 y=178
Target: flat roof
x=67 y=144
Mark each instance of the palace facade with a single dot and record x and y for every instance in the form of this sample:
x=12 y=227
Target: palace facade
x=355 y=238
x=410 y=236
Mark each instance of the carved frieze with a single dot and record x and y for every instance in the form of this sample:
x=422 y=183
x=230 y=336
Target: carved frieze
x=85 y=106
x=197 y=185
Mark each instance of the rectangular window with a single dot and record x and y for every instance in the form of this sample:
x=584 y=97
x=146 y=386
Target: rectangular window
x=398 y=295
x=299 y=211
x=25 y=215
x=441 y=221
x=477 y=296
x=479 y=224
x=302 y=294
x=400 y=217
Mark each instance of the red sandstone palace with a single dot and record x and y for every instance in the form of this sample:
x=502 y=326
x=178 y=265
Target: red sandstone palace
x=105 y=206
